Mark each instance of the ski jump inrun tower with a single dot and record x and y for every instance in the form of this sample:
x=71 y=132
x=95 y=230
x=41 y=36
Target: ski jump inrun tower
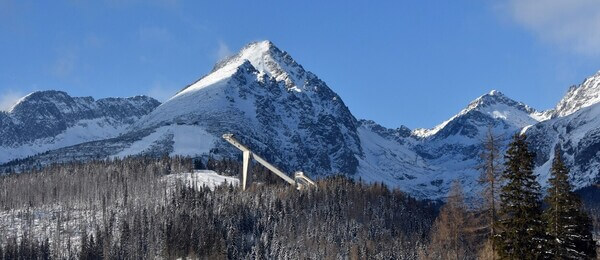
x=300 y=180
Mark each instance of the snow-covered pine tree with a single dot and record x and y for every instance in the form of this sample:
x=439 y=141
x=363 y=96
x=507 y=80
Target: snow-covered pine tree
x=568 y=225
x=521 y=231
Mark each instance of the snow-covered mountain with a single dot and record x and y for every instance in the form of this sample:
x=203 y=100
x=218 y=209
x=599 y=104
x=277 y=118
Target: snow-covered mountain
x=426 y=161
x=489 y=110
x=578 y=135
x=291 y=117
x=48 y=120
x=271 y=103
x=580 y=96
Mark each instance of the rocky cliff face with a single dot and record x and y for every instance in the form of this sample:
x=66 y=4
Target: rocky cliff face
x=272 y=104
x=581 y=96
x=426 y=161
x=48 y=120
x=578 y=136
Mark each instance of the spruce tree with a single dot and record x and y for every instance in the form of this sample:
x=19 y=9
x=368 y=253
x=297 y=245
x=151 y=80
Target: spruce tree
x=521 y=231
x=568 y=225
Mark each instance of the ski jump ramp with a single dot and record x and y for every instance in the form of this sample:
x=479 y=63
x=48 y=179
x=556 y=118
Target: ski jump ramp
x=300 y=180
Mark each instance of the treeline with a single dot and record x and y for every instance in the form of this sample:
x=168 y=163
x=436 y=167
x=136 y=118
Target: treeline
x=514 y=222
x=121 y=209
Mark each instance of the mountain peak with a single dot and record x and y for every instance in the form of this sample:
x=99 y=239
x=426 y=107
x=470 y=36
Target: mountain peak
x=496 y=98
x=493 y=105
x=45 y=96
x=258 y=48
x=266 y=59
x=580 y=96
x=495 y=93
x=255 y=52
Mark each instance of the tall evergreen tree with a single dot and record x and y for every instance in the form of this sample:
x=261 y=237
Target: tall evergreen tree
x=521 y=231
x=568 y=225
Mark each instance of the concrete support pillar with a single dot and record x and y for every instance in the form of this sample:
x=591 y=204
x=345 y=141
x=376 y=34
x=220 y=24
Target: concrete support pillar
x=246 y=168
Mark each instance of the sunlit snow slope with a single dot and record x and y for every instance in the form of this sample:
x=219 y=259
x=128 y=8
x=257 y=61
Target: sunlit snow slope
x=47 y=120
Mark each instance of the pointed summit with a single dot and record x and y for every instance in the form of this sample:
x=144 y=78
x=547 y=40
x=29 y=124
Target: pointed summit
x=262 y=95
x=266 y=59
x=485 y=110
x=253 y=52
x=270 y=60
x=495 y=98
x=495 y=93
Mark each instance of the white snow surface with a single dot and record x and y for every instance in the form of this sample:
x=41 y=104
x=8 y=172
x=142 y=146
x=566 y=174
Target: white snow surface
x=186 y=140
x=399 y=165
x=573 y=132
x=268 y=98
x=496 y=105
x=83 y=131
x=199 y=179
x=581 y=96
x=209 y=92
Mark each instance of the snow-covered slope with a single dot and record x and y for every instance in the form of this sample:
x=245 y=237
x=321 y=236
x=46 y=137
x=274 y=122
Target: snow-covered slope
x=283 y=112
x=581 y=96
x=48 y=120
x=199 y=179
x=425 y=162
x=272 y=104
x=578 y=135
x=428 y=160
x=489 y=109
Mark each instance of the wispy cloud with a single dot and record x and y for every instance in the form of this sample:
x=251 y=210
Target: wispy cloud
x=571 y=24
x=223 y=51
x=154 y=34
x=162 y=92
x=8 y=98
x=64 y=64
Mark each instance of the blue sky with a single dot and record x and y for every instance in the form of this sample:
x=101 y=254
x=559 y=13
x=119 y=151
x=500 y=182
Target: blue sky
x=413 y=63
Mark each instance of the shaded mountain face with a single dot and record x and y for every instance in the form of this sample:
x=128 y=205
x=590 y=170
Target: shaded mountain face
x=459 y=139
x=426 y=161
x=578 y=136
x=293 y=119
x=450 y=151
x=273 y=105
x=48 y=120
x=281 y=111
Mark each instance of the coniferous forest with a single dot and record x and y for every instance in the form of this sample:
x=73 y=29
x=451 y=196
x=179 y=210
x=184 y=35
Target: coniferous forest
x=121 y=209
x=124 y=209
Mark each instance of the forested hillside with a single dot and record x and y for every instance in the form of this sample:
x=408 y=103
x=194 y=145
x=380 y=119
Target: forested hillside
x=123 y=209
